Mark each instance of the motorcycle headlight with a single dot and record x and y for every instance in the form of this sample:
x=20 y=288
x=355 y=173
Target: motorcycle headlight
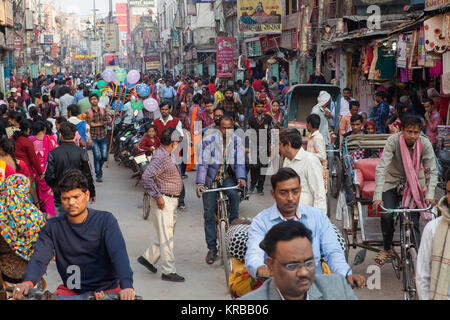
x=123 y=139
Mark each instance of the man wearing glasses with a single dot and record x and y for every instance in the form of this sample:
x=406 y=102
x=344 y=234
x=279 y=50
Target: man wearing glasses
x=293 y=269
x=286 y=192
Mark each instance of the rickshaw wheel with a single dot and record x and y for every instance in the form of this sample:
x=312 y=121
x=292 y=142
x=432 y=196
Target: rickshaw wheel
x=336 y=178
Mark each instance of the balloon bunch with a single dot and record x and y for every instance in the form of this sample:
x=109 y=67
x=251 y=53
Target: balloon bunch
x=118 y=82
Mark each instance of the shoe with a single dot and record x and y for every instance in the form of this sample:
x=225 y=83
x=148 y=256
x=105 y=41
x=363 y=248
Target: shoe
x=173 y=277
x=182 y=207
x=211 y=257
x=251 y=190
x=147 y=264
x=184 y=176
x=99 y=180
x=261 y=193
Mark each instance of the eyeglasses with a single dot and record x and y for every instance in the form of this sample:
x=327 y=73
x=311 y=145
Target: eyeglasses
x=309 y=265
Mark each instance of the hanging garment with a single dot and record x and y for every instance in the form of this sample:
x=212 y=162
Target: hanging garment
x=374 y=74
x=435 y=39
x=386 y=63
x=368 y=59
x=401 y=51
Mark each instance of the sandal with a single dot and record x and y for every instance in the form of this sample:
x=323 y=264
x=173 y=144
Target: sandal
x=382 y=256
x=211 y=256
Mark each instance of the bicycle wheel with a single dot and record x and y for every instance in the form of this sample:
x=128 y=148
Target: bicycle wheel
x=223 y=250
x=336 y=178
x=409 y=273
x=146 y=208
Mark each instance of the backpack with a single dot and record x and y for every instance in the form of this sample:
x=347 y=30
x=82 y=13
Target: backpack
x=91 y=113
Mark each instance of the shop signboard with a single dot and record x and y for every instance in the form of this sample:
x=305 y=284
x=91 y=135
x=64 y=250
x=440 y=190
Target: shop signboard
x=253 y=49
x=225 y=57
x=152 y=62
x=259 y=16
x=18 y=44
x=112 y=37
x=435 y=3
x=362 y=3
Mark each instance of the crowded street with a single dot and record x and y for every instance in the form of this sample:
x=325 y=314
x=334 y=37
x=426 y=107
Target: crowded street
x=210 y=150
x=203 y=282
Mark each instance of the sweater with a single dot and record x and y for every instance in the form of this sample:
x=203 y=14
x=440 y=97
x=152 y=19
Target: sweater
x=95 y=246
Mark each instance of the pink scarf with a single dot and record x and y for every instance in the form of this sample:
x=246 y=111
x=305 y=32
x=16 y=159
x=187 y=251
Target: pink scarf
x=413 y=196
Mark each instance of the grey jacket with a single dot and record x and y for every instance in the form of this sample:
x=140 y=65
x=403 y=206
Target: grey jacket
x=324 y=287
x=390 y=172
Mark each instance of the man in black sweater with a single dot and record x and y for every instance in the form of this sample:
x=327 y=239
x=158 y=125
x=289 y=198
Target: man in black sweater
x=89 y=248
x=65 y=157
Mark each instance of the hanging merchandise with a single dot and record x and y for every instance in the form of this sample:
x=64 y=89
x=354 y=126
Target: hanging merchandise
x=414 y=53
x=401 y=51
x=435 y=39
x=368 y=59
x=374 y=73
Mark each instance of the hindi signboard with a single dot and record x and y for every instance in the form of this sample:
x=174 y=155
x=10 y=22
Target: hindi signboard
x=225 y=57
x=259 y=16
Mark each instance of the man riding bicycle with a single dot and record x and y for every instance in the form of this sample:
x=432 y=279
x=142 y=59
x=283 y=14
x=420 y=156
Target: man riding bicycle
x=406 y=157
x=220 y=169
x=88 y=246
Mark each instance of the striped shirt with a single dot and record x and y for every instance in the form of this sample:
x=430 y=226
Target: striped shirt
x=162 y=176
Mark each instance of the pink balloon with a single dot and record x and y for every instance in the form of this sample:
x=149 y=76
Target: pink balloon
x=151 y=105
x=108 y=75
x=133 y=77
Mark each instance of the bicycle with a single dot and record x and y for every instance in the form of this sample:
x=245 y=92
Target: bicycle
x=406 y=263
x=222 y=227
x=36 y=294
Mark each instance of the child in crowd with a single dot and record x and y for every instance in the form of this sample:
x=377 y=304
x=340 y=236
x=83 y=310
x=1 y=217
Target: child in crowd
x=150 y=142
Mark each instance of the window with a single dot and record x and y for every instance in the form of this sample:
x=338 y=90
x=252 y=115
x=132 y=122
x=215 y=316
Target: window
x=291 y=6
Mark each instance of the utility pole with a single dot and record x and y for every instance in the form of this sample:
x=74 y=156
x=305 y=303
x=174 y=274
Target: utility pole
x=319 y=40
x=95 y=34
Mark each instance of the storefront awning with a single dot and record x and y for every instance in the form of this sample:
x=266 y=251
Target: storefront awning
x=378 y=33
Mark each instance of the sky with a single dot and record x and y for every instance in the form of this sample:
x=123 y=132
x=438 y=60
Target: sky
x=85 y=7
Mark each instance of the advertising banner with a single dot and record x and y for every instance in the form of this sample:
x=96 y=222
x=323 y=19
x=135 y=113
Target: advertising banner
x=152 y=62
x=225 y=55
x=112 y=61
x=259 y=16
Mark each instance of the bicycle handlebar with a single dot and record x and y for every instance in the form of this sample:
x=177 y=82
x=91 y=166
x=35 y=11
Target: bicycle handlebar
x=405 y=210
x=221 y=189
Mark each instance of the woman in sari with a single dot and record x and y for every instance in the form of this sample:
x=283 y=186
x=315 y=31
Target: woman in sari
x=20 y=223
x=277 y=115
x=43 y=144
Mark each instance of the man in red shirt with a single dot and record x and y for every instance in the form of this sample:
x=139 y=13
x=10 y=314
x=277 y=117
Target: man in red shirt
x=212 y=87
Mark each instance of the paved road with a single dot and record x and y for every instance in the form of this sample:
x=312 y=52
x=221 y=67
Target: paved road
x=118 y=195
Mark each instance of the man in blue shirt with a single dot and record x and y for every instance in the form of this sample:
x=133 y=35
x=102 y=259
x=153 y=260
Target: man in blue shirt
x=381 y=112
x=286 y=192
x=90 y=252
x=168 y=93
x=79 y=95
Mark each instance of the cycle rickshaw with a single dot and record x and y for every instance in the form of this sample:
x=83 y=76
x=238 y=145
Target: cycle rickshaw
x=360 y=225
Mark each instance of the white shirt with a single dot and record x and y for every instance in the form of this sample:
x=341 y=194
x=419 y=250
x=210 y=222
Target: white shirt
x=317 y=143
x=309 y=168
x=65 y=101
x=423 y=269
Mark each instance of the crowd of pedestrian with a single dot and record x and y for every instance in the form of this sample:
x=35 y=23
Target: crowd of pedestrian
x=48 y=125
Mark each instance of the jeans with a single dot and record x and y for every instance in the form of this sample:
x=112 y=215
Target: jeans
x=59 y=210
x=391 y=200
x=100 y=151
x=210 y=209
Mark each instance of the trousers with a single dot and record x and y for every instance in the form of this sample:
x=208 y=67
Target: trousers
x=391 y=200
x=162 y=247
x=100 y=152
